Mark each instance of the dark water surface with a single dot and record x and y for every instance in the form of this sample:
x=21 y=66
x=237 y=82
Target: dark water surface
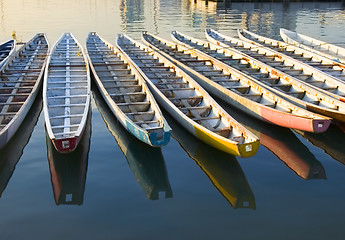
x=114 y=187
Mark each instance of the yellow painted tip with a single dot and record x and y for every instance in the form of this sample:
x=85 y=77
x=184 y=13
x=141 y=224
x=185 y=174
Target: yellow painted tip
x=14 y=36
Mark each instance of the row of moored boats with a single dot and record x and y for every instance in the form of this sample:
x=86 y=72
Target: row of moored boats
x=291 y=85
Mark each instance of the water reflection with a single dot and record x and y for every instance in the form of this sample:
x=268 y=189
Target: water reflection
x=283 y=143
x=13 y=150
x=68 y=170
x=221 y=168
x=146 y=162
x=332 y=142
x=264 y=17
x=132 y=11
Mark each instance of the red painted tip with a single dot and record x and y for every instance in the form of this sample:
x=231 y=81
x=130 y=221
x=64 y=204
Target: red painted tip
x=65 y=145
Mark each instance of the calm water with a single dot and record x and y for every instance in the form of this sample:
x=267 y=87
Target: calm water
x=114 y=187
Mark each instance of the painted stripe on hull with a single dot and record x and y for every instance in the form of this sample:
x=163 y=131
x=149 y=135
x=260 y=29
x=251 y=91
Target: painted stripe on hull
x=291 y=121
x=151 y=138
x=242 y=150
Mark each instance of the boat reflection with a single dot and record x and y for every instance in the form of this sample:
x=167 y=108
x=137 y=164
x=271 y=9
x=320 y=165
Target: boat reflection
x=222 y=168
x=283 y=143
x=146 y=162
x=68 y=170
x=332 y=142
x=13 y=150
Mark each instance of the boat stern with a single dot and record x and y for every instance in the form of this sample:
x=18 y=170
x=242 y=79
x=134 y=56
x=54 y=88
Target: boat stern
x=248 y=149
x=65 y=145
x=159 y=141
x=320 y=125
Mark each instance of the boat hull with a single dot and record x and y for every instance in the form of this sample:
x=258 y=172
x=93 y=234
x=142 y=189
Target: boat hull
x=330 y=51
x=298 y=118
x=270 y=115
x=153 y=138
x=66 y=93
x=303 y=95
x=11 y=127
x=227 y=134
x=7 y=49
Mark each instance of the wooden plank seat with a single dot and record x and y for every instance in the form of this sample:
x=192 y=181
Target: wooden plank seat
x=249 y=70
x=16 y=87
x=118 y=71
x=330 y=88
x=67 y=70
x=253 y=54
x=67 y=87
x=20 y=70
x=199 y=118
x=126 y=94
x=304 y=76
x=110 y=63
x=141 y=113
x=239 y=88
x=171 y=79
x=68 y=133
x=67 y=105
x=256 y=97
x=186 y=98
x=65 y=126
x=292 y=71
x=319 y=64
x=211 y=72
x=63 y=76
x=149 y=128
x=147 y=104
x=11 y=103
x=196 y=108
x=156 y=67
x=8 y=113
x=195 y=61
x=222 y=81
x=137 y=86
x=52 y=65
x=146 y=122
x=282 y=66
x=112 y=80
x=67 y=96
x=282 y=86
x=297 y=94
x=14 y=94
x=66 y=116
x=176 y=89
x=111 y=77
x=71 y=81
x=24 y=82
